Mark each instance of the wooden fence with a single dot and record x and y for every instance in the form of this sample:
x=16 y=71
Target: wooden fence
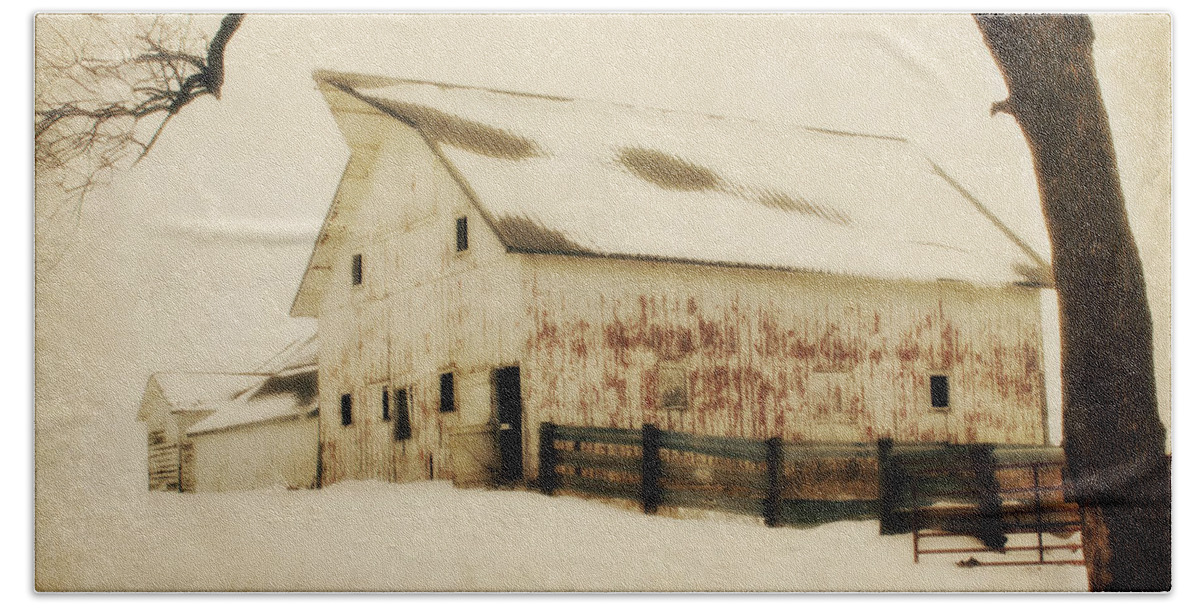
x=802 y=483
x=790 y=483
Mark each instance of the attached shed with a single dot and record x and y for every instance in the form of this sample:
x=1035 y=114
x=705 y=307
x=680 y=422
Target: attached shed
x=266 y=438
x=493 y=260
x=213 y=432
x=171 y=404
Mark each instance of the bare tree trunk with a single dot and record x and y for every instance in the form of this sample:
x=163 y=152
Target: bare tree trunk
x=1113 y=437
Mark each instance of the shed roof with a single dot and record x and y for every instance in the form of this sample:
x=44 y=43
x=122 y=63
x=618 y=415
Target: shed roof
x=238 y=413
x=289 y=394
x=197 y=391
x=570 y=176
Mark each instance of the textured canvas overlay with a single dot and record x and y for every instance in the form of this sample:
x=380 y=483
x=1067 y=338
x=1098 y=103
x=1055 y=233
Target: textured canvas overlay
x=770 y=302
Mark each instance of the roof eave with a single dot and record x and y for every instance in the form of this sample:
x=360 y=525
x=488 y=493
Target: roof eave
x=241 y=425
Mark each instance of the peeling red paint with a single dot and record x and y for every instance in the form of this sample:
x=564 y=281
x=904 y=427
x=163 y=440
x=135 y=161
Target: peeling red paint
x=851 y=370
x=579 y=333
x=650 y=389
x=949 y=347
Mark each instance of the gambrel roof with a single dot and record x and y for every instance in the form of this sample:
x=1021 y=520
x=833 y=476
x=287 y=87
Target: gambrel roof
x=554 y=175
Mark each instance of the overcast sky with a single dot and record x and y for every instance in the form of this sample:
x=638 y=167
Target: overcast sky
x=190 y=260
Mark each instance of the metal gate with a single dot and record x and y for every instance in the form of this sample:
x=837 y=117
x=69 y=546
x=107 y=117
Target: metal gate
x=1028 y=498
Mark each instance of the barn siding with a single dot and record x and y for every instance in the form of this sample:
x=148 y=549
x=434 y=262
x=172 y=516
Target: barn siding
x=278 y=453
x=163 y=463
x=187 y=458
x=764 y=353
x=803 y=357
x=162 y=441
x=423 y=309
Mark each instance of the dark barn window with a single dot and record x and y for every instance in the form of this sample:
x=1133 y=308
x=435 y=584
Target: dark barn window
x=939 y=391
x=356 y=269
x=447 y=386
x=347 y=414
x=460 y=233
x=403 y=425
x=387 y=413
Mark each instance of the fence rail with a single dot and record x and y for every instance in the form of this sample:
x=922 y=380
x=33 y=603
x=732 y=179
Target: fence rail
x=929 y=490
x=766 y=478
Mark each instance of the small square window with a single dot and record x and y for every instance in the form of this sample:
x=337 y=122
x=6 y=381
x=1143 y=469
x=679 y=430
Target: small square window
x=403 y=428
x=356 y=269
x=385 y=398
x=347 y=410
x=460 y=234
x=672 y=387
x=939 y=391
x=447 y=392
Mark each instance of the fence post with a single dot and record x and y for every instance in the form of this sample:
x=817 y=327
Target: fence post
x=991 y=518
x=651 y=468
x=774 y=481
x=547 y=459
x=889 y=490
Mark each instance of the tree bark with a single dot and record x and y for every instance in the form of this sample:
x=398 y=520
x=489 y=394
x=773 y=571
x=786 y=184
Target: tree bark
x=1114 y=441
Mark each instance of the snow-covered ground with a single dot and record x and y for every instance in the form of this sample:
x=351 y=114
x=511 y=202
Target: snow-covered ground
x=96 y=533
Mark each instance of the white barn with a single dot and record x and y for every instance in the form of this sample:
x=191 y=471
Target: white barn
x=493 y=260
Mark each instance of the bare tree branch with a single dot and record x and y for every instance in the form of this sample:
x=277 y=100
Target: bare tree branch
x=105 y=90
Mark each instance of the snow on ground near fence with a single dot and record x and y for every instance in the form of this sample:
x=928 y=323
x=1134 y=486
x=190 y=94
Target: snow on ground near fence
x=96 y=532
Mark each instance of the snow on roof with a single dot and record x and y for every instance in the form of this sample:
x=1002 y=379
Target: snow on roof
x=188 y=391
x=281 y=396
x=571 y=176
x=242 y=412
x=292 y=371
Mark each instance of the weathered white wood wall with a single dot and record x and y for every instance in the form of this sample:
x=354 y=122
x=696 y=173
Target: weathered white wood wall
x=170 y=466
x=767 y=353
x=423 y=309
x=267 y=454
x=162 y=440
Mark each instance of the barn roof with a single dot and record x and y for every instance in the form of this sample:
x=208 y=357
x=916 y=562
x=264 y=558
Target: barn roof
x=287 y=375
x=197 y=391
x=571 y=176
x=286 y=395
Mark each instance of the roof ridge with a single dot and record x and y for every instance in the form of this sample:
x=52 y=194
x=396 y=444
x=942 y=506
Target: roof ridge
x=357 y=81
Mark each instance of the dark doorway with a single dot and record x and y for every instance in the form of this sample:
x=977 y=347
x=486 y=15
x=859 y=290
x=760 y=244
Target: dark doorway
x=507 y=381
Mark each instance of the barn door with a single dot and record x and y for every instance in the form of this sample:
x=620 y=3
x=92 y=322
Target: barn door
x=507 y=382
